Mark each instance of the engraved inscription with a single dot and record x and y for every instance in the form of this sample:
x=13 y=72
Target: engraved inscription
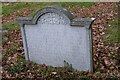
x=53 y=18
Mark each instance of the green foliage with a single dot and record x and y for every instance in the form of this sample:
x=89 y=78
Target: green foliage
x=4 y=40
x=21 y=60
x=85 y=4
x=19 y=67
x=115 y=8
x=50 y=68
x=119 y=28
x=9 y=9
x=98 y=74
x=12 y=49
x=43 y=72
x=13 y=25
x=112 y=33
x=13 y=69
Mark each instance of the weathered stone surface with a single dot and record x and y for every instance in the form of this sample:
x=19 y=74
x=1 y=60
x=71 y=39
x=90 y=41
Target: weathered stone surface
x=54 y=37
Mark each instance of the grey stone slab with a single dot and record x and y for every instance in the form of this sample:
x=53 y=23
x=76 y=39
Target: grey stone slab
x=53 y=36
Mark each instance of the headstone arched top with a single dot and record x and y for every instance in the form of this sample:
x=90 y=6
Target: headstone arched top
x=51 y=14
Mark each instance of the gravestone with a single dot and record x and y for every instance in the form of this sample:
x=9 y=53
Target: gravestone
x=53 y=36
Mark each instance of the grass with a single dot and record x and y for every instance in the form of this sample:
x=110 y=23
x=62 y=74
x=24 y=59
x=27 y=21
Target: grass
x=119 y=29
x=9 y=9
x=35 y=6
x=112 y=33
x=13 y=25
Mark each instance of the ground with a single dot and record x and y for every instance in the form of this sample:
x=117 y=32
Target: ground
x=105 y=42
